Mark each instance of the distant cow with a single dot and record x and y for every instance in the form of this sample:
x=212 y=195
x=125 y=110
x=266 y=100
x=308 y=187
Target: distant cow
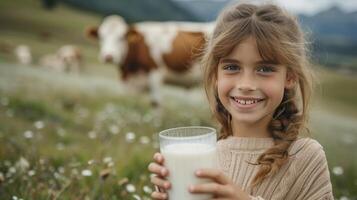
x=68 y=58
x=23 y=54
x=149 y=53
x=71 y=57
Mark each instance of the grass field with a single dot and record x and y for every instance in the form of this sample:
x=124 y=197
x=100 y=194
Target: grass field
x=66 y=136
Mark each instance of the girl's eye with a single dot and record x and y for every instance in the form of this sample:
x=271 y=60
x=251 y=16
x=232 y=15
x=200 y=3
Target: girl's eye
x=231 y=67
x=266 y=69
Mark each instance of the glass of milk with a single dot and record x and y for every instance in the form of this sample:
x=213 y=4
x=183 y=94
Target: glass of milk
x=185 y=150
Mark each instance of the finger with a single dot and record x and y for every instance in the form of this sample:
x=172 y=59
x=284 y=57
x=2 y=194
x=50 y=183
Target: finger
x=211 y=188
x=214 y=174
x=160 y=182
x=159 y=195
x=159 y=158
x=158 y=169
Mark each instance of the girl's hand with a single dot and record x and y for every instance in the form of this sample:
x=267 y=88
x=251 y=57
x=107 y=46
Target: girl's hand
x=161 y=184
x=221 y=187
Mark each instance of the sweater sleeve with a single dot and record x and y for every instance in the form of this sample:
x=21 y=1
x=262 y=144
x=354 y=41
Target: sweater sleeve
x=314 y=177
x=256 y=198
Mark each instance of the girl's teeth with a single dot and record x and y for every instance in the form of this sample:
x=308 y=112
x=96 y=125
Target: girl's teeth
x=246 y=102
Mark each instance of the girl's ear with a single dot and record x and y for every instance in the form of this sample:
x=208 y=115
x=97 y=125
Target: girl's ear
x=290 y=81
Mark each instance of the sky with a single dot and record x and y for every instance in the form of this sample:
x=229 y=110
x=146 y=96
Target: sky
x=309 y=7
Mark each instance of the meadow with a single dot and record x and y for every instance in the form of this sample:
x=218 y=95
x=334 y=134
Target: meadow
x=83 y=136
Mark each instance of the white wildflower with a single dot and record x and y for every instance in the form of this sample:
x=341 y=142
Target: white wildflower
x=91 y=162
x=15 y=198
x=92 y=134
x=61 y=132
x=130 y=137
x=114 y=129
x=144 y=140
x=61 y=170
x=110 y=164
x=31 y=173
x=337 y=170
x=74 y=172
x=147 y=189
x=86 y=172
x=2 y=178
x=107 y=160
x=136 y=197
x=42 y=161
x=57 y=176
x=39 y=124
x=130 y=188
x=344 y=198
x=12 y=170
x=28 y=134
x=22 y=164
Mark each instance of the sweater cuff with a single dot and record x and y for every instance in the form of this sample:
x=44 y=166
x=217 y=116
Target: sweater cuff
x=256 y=198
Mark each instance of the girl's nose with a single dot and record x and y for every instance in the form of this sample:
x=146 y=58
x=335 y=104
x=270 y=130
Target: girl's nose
x=246 y=83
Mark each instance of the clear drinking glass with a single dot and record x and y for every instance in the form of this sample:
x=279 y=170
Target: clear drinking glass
x=185 y=150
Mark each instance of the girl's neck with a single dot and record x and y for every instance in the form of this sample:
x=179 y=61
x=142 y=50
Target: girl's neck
x=258 y=130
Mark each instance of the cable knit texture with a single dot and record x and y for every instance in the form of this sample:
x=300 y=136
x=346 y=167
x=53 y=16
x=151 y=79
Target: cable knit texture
x=304 y=177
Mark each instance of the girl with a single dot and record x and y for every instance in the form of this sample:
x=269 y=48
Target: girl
x=258 y=83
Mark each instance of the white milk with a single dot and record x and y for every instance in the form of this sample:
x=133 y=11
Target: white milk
x=182 y=160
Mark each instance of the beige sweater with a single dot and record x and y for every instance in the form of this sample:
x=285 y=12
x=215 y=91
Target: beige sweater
x=304 y=177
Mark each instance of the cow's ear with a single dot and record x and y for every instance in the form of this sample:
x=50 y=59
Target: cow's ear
x=92 y=32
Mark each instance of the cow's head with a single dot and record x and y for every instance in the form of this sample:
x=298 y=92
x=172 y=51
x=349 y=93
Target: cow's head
x=112 y=37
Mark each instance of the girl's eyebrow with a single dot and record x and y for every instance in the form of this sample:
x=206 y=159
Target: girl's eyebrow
x=266 y=62
x=230 y=60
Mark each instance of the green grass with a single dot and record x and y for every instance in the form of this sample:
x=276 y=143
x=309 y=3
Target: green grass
x=64 y=124
x=337 y=92
x=71 y=107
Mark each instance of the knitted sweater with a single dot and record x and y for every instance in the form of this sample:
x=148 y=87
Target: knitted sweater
x=304 y=177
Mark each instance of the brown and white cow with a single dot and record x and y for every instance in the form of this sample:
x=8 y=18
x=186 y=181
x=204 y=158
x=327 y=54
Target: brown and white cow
x=150 y=53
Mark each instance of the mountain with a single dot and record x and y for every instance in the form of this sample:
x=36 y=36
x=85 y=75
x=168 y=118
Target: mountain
x=334 y=37
x=135 y=10
x=333 y=23
x=204 y=10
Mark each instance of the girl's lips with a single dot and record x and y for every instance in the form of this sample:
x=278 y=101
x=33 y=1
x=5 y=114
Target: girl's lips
x=246 y=102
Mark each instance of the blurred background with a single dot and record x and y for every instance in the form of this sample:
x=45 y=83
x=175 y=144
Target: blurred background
x=74 y=133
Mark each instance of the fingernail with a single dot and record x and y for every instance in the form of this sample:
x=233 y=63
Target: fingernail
x=166 y=185
x=156 y=156
x=164 y=196
x=198 y=172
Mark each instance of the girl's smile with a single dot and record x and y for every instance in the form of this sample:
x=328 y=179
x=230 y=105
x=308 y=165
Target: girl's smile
x=246 y=103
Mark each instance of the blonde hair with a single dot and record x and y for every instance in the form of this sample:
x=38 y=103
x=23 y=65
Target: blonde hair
x=279 y=39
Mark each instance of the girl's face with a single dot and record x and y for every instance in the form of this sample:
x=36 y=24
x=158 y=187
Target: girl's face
x=249 y=88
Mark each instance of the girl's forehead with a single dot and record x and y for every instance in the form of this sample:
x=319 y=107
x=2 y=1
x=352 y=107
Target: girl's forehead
x=250 y=50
